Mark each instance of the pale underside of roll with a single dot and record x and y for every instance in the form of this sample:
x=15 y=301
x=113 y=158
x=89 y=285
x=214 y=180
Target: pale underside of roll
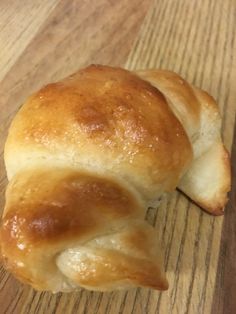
x=85 y=158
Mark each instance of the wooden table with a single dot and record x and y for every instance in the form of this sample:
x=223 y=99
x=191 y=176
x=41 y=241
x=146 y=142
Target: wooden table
x=42 y=41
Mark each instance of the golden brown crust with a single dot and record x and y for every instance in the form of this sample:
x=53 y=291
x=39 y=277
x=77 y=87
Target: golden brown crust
x=48 y=207
x=42 y=204
x=111 y=115
x=102 y=103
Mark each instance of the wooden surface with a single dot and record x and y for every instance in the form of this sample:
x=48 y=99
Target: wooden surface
x=42 y=41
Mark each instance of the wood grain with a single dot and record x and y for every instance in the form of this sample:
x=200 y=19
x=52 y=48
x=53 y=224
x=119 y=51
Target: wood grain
x=17 y=33
x=224 y=298
x=193 y=37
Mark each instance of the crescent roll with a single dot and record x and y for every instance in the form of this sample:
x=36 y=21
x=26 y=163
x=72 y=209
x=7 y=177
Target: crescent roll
x=85 y=158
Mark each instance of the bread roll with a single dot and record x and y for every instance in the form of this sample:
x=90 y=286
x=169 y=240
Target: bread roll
x=85 y=158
